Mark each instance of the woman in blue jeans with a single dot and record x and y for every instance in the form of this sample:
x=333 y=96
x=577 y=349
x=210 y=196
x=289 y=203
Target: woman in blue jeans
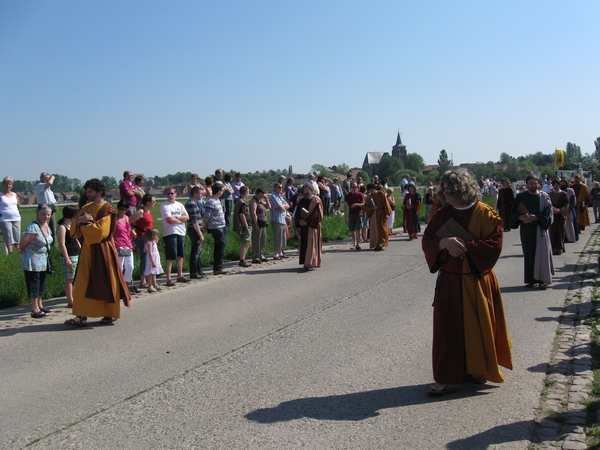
x=34 y=248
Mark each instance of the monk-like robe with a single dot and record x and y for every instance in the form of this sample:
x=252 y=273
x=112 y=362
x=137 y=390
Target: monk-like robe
x=560 y=201
x=538 y=261
x=572 y=232
x=99 y=284
x=378 y=229
x=506 y=197
x=581 y=194
x=311 y=241
x=470 y=336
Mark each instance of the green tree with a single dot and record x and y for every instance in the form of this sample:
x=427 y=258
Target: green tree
x=388 y=166
x=573 y=153
x=23 y=186
x=432 y=176
x=317 y=168
x=326 y=173
x=444 y=162
x=396 y=179
x=543 y=159
x=505 y=158
x=415 y=162
x=110 y=182
x=342 y=168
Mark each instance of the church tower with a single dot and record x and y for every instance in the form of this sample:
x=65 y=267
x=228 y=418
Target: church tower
x=399 y=150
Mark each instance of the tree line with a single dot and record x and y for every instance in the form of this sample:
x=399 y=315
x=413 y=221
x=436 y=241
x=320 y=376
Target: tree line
x=513 y=168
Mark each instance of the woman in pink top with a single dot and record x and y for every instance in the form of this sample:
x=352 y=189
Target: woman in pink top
x=123 y=235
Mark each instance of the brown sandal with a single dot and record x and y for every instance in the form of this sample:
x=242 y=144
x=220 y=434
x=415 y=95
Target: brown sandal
x=441 y=389
x=77 y=321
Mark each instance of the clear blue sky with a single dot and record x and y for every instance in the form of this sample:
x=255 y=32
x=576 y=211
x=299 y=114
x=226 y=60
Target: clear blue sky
x=91 y=88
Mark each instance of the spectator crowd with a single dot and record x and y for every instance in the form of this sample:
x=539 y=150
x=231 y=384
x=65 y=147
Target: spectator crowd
x=97 y=238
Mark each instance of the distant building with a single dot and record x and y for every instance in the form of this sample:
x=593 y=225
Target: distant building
x=372 y=159
x=399 y=150
x=429 y=168
x=371 y=162
x=67 y=196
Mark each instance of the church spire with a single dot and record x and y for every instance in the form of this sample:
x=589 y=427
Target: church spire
x=398 y=140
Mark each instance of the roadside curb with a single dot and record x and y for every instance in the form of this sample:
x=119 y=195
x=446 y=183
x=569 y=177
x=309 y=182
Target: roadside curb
x=563 y=416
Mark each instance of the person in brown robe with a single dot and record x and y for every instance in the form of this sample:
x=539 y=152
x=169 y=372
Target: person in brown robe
x=308 y=217
x=463 y=241
x=506 y=198
x=560 y=208
x=377 y=209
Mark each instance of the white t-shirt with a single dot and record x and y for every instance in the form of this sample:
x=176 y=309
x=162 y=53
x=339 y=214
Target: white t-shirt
x=175 y=209
x=9 y=209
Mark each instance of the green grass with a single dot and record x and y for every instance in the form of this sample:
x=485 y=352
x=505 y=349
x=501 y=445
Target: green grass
x=13 y=290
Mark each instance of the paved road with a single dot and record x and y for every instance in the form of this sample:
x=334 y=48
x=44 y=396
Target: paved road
x=272 y=358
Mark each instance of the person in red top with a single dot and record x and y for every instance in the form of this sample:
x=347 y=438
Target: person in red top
x=141 y=221
x=353 y=204
x=129 y=192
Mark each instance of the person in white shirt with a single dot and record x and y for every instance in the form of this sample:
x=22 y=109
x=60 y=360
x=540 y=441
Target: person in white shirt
x=548 y=186
x=174 y=216
x=45 y=196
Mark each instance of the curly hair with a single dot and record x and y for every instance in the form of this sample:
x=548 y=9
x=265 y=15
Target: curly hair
x=96 y=185
x=462 y=185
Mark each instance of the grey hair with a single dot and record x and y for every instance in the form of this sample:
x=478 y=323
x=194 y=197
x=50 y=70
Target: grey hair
x=43 y=176
x=42 y=207
x=308 y=185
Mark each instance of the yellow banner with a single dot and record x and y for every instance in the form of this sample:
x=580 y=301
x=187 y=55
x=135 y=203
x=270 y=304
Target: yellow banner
x=559 y=158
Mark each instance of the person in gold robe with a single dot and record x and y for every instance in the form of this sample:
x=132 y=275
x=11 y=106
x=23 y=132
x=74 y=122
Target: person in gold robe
x=377 y=209
x=463 y=242
x=99 y=284
x=437 y=203
x=582 y=194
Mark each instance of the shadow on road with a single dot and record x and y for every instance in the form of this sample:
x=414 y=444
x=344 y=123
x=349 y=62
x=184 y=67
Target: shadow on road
x=359 y=405
x=513 y=432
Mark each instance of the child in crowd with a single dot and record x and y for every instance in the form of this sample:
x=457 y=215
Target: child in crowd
x=153 y=267
x=69 y=249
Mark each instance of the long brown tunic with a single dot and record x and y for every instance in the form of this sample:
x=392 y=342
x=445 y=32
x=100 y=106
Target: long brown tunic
x=470 y=337
x=311 y=240
x=379 y=231
x=560 y=200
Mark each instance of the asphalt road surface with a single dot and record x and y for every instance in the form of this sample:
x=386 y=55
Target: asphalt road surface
x=276 y=358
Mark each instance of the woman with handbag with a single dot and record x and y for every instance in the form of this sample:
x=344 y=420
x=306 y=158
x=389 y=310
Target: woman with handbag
x=123 y=236
x=35 y=259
